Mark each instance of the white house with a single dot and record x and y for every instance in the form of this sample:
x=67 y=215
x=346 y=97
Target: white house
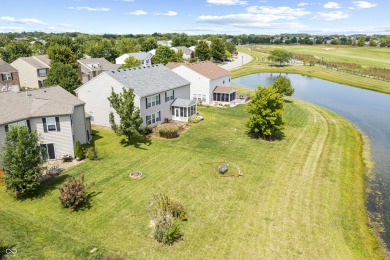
x=92 y=67
x=144 y=57
x=210 y=83
x=187 y=52
x=160 y=94
x=57 y=115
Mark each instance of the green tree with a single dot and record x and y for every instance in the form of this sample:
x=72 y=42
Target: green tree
x=283 y=86
x=129 y=114
x=38 y=48
x=65 y=41
x=131 y=62
x=148 y=44
x=127 y=45
x=63 y=75
x=361 y=41
x=202 y=51
x=280 y=55
x=230 y=46
x=22 y=159
x=62 y=54
x=266 y=111
x=164 y=55
x=78 y=151
x=14 y=50
x=217 y=48
x=182 y=40
x=101 y=48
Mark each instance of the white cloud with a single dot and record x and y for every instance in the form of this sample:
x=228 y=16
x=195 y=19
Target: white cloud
x=332 y=5
x=9 y=19
x=90 y=9
x=169 y=13
x=209 y=29
x=66 y=25
x=227 y=2
x=350 y=30
x=282 y=11
x=302 y=4
x=330 y=16
x=12 y=29
x=363 y=4
x=138 y=12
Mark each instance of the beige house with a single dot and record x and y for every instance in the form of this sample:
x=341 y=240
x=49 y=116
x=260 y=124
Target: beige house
x=90 y=68
x=9 y=77
x=57 y=115
x=32 y=70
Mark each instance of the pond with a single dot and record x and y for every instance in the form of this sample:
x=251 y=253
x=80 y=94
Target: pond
x=369 y=111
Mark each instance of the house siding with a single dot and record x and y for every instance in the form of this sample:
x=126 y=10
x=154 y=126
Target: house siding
x=79 y=125
x=27 y=73
x=14 y=82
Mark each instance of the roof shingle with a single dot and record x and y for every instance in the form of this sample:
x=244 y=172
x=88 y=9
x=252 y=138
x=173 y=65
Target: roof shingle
x=205 y=68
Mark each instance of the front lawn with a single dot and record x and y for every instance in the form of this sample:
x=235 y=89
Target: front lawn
x=302 y=197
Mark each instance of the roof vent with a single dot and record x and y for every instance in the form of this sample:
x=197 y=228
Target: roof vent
x=119 y=70
x=113 y=71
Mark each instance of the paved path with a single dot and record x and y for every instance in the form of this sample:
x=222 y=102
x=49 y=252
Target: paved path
x=242 y=59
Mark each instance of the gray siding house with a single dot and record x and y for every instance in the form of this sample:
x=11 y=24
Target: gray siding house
x=90 y=68
x=57 y=115
x=160 y=94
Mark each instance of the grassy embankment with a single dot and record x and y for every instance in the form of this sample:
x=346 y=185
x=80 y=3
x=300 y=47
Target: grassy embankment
x=379 y=57
x=301 y=197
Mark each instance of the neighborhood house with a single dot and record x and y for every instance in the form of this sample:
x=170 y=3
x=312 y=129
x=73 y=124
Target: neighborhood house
x=32 y=70
x=9 y=77
x=210 y=84
x=90 y=68
x=144 y=57
x=160 y=94
x=57 y=115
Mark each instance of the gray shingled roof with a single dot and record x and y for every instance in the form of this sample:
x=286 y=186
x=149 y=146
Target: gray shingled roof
x=179 y=102
x=53 y=101
x=5 y=67
x=141 y=55
x=148 y=80
x=103 y=63
x=39 y=61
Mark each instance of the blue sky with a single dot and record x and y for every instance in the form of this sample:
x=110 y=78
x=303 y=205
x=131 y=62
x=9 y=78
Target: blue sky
x=196 y=16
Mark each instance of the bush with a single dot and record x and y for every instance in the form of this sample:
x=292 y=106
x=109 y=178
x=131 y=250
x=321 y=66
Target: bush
x=146 y=130
x=193 y=119
x=168 y=131
x=73 y=193
x=78 y=151
x=92 y=154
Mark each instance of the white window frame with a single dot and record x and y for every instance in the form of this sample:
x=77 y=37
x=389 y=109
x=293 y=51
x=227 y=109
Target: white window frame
x=39 y=73
x=50 y=124
x=153 y=118
x=153 y=101
x=7 y=76
x=170 y=95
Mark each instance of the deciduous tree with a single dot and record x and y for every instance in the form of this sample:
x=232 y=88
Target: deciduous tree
x=266 y=113
x=127 y=45
x=283 y=86
x=148 y=44
x=280 y=55
x=63 y=75
x=217 y=48
x=21 y=157
x=14 y=50
x=202 y=51
x=131 y=62
x=164 y=55
x=129 y=114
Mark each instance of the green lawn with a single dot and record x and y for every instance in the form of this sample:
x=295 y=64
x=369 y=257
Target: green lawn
x=259 y=64
x=301 y=197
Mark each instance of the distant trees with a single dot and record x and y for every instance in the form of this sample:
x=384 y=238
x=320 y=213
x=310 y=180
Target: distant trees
x=217 y=48
x=283 y=86
x=129 y=114
x=131 y=62
x=101 y=48
x=62 y=54
x=14 y=50
x=127 y=45
x=183 y=40
x=22 y=160
x=202 y=51
x=280 y=55
x=148 y=44
x=361 y=41
x=266 y=111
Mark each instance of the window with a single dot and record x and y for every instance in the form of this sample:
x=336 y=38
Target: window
x=223 y=82
x=153 y=101
x=204 y=98
x=51 y=124
x=153 y=118
x=42 y=73
x=169 y=95
x=199 y=97
x=7 y=76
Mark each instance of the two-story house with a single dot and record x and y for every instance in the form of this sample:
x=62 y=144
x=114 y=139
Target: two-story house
x=144 y=57
x=90 y=68
x=210 y=83
x=187 y=52
x=32 y=70
x=160 y=94
x=9 y=80
x=57 y=115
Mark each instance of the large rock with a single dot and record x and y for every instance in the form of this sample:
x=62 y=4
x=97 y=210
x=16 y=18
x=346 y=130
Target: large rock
x=223 y=168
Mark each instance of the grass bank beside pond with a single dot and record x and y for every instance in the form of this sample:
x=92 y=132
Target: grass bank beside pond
x=301 y=197
x=260 y=64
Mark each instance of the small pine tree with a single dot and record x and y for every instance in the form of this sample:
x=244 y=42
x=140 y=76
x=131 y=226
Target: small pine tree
x=78 y=151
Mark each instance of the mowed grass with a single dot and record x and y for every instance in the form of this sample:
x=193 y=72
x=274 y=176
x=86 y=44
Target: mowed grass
x=300 y=197
x=260 y=64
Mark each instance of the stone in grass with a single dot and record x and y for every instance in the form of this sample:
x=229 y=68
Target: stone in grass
x=223 y=168
x=93 y=250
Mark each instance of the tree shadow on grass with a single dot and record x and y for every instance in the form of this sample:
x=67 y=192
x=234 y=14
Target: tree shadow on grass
x=7 y=249
x=288 y=101
x=278 y=136
x=137 y=142
x=87 y=204
x=46 y=187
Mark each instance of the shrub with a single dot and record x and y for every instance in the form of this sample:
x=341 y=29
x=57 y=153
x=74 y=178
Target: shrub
x=146 y=130
x=78 y=151
x=92 y=154
x=2 y=183
x=168 y=131
x=193 y=119
x=73 y=193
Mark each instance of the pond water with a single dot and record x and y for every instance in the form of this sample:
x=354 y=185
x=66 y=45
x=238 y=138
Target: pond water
x=369 y=111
